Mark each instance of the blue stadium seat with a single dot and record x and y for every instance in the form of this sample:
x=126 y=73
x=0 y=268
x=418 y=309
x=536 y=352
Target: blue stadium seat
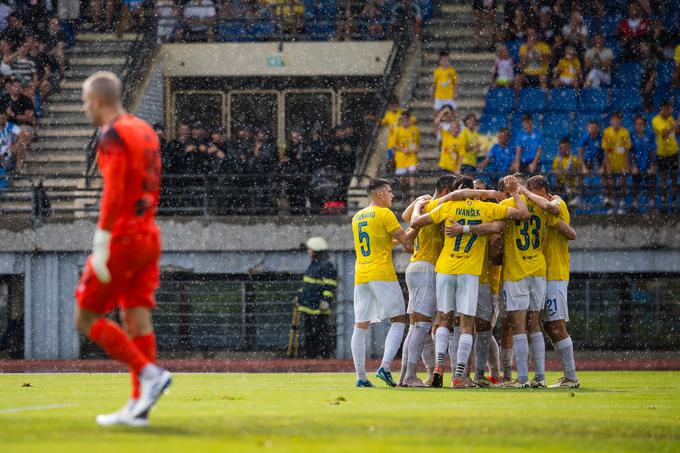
x=321 y=29
x=609 y=24
x=500 y=100
x=563 y=100
x=550 y=145
x=626 y=100
x=591 y=24
x=676 y=101
x=614 y=45
x=664 y=80
x=263 y=29
x=556 y=124
x=513 y=49
x=627 y=120
x=594 y=100
x=491 y=122
x=532 y=100
x=628 y=75
x=231 y=30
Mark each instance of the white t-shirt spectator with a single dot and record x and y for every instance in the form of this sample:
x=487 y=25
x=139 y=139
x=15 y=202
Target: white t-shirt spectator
x=23 y=69
x=600 y=59
x=5 y=11
x=199 y=9
x=8 y=135
x=504 y=70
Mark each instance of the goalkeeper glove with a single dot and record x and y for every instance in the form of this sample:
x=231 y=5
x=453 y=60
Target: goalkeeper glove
x=100 y=255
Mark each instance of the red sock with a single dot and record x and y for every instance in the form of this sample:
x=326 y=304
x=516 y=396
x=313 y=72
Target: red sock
x=117 y=344
x=147 y=346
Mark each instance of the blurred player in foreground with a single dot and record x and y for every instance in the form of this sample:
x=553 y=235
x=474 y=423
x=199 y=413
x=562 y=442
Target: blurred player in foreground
x=122 y=270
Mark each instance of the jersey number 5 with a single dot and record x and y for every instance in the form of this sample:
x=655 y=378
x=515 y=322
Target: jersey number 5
x=364 y=240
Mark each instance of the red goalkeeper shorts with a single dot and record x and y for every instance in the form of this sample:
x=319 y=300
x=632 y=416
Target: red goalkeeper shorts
x=133 y=264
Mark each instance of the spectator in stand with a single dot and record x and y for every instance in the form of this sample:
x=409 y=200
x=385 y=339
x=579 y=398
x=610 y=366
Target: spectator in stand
x=289 y=15
x=166 y=154
x=516 y=29
x=9 y=135
x=616 y=145
x=647 y=76
x=261 y=163
x=451 y=149
x=371 y=26
x=590 y=152
x=500 y=157
x=443 y=121
x=643 y=162
x=598 y=64
x=485 y=14
x=547 y=29
x=55 y=41
x=345 y=20
x=528 y=147
x=407 y=145
x=566 y=169
x=632 y=31
x=576 y=32
x=661 y=41
x=503 y=69
x=471 y=144
x=444 y=80
x=665 y=128
x=391 y=120
x=96 y=15
x=345 y=154
x=196 y=151
x=176 y=149
x=568 y=70
x=406 y=21
x=294 y=171
x=534 y=59
x=15 y=34
x=218 y=153
x=5 y=11
x=319 y=150
x=198 y=22
x=557 y=50
x=20 y=111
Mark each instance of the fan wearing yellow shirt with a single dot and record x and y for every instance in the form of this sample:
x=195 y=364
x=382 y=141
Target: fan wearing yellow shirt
x=459 y=266
x=567 y=170
x=406 y=147
x=471 y=144
x=616 y=145
x=377 y=294
x=556 y=251
x=444 y=83
x=524 y=285
x=667 y=153
x=568 y=70
x=451 y=149
x=391 y=120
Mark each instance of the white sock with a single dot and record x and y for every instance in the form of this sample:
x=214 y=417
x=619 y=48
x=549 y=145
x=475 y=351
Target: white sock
x=392 y=343
x=506 y=362
x=537 y=345
x=441 y=342
x=565 y=349
x=464 y=349
x=494 y=358
x=415 y=348
x=359 y=352
x=481 y=352
x=404 y=352
x=520 y=347
x=149 y=371
x=454 y=338
x=428 y=353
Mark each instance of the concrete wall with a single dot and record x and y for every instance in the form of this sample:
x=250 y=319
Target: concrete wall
x=50 y=258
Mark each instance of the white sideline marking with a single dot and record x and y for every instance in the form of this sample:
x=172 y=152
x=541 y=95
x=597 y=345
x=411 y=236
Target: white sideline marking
x=14 y=410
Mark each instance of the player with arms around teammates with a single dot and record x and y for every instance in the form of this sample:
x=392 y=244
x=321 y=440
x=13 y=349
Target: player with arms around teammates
x=377 y=294
x=122 y=270
x=459 y=266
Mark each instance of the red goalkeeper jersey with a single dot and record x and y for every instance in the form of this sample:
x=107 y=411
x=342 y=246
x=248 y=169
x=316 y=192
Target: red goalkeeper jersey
x=128 y=156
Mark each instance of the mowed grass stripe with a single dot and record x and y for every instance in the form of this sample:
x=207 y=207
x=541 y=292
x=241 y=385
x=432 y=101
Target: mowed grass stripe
x=617 y=411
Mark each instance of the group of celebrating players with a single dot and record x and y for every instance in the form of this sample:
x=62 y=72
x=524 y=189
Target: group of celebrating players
x=470 y=247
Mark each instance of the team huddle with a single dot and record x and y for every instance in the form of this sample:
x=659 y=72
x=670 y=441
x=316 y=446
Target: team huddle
x=478 y=256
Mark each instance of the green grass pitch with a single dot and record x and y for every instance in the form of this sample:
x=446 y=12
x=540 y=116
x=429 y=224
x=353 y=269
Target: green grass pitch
x=614 y=411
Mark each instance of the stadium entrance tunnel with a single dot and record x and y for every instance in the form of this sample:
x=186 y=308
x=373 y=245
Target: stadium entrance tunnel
x=11 y=317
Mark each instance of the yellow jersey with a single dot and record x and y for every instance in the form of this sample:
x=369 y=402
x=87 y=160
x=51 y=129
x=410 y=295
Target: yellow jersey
x=445 y=82
x=616 y=145
x=535 y=65
x=391 y=119
x=451 y=150
x=373 y=227
x=568 y=68
x=523 y=243
x=668 y=146
x=406 y=145
x=428 y=244
x=465 y=253
x=469 y=140
x=566 y=168
x=556 y=249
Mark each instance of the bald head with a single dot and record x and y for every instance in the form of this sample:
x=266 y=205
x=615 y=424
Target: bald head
x=105 y=87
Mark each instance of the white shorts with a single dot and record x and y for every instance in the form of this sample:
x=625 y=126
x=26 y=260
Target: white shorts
x=440 y=103
x=556 y=308
x=376 y=301
x=421 y=292
x=485 y=303
x=457 y=293
x=526 y=294
x=407 y=170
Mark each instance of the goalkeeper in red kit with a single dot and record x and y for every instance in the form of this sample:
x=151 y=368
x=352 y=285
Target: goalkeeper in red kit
x=122 y=271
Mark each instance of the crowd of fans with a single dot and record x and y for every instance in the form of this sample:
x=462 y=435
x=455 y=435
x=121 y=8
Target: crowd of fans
x=32 y=62
x=248 y=172
x=234 y=20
